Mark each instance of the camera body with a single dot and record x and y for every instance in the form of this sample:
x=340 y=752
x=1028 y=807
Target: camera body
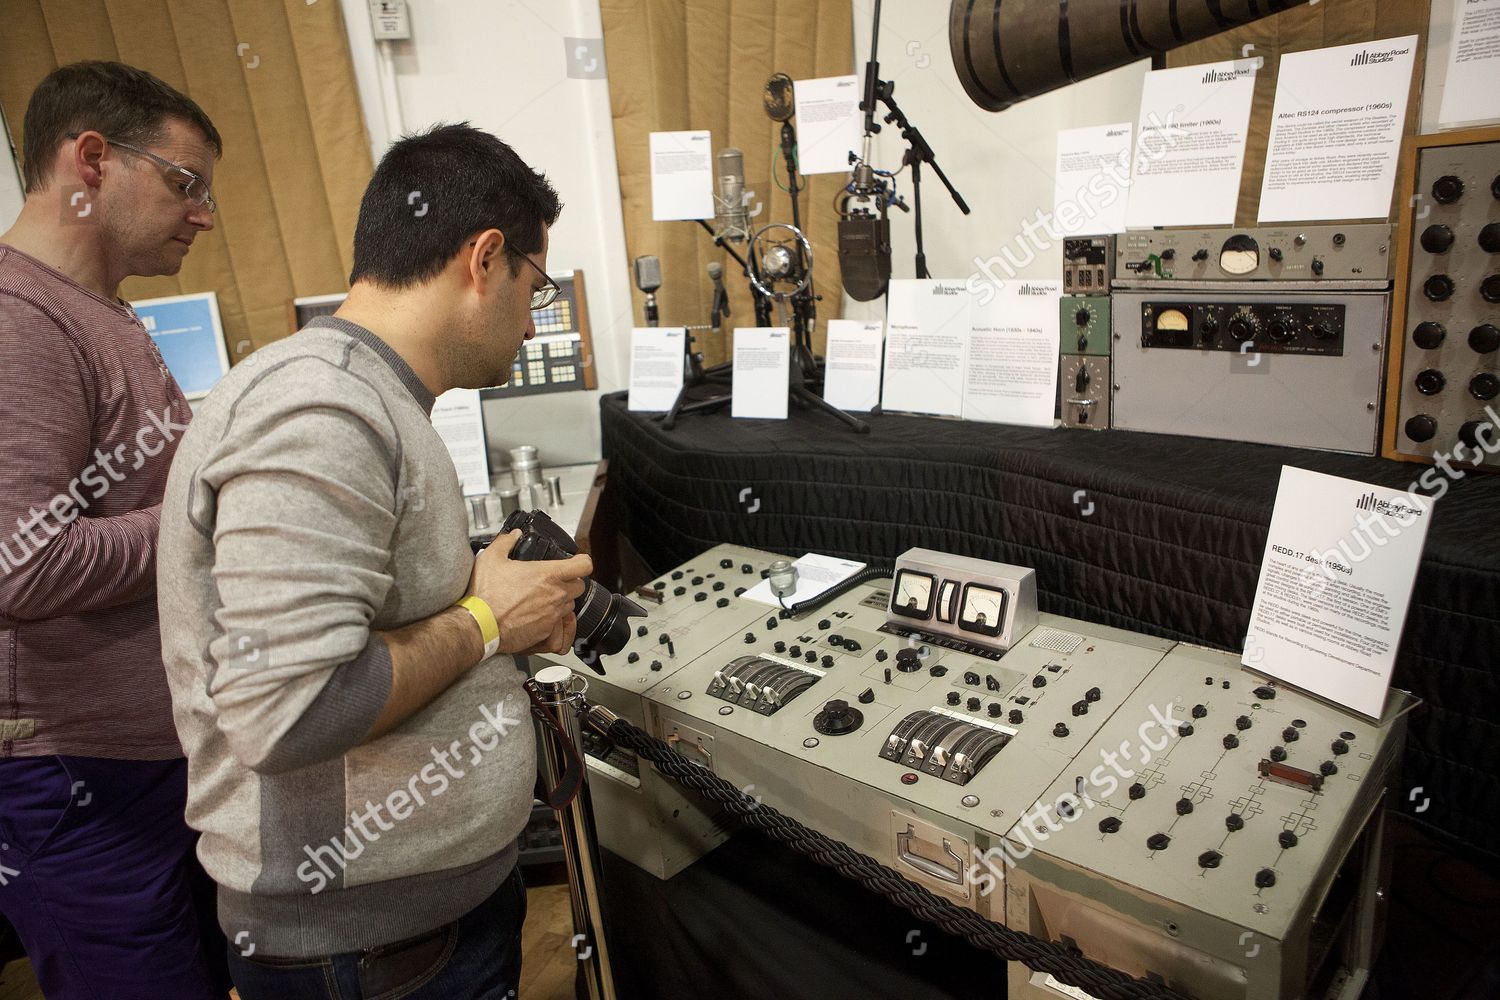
x=603 y=617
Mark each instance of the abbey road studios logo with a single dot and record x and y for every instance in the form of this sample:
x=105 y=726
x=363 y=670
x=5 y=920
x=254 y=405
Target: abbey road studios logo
x=1226 y=76
x=1394 y=508
x=1035 y=290
x=1366 y=57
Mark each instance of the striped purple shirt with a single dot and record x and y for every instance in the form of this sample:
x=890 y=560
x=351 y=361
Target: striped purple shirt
x=91 y=419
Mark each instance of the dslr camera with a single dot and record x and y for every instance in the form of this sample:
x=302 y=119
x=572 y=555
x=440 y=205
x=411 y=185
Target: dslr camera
x=603 y=617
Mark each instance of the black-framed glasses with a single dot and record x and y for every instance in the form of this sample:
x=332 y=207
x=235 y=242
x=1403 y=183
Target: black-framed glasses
x=193 y=187
x=547 y=294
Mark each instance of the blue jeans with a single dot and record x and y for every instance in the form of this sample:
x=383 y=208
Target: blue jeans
x=477 y=957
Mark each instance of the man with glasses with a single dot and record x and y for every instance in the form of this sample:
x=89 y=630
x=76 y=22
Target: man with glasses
x=361 y=756
x=97 y=872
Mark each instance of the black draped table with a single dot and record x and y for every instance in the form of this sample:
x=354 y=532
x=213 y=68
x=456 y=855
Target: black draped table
x=1148 y=532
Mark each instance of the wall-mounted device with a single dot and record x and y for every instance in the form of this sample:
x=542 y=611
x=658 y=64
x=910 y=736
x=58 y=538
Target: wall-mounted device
x=390 y=20
x=1083 y=373
x=1352 y=256
x=560 y=358
x=1444 y=376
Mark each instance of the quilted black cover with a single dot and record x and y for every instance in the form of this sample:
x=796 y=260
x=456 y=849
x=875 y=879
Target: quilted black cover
x=1154 y=533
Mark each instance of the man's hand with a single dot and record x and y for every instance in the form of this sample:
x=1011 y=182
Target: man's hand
x=532 y=601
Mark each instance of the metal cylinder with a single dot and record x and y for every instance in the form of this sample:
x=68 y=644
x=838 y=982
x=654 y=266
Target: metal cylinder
x=563 y=691
x=1005 y=52
x=479 y=509
x=554 y=491
x=510 y=501
x=525 y=466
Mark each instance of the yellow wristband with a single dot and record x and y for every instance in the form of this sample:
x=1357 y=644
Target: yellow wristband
x=488 y=627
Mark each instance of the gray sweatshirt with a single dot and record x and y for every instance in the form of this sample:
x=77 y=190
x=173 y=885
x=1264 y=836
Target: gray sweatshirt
x=311 y=504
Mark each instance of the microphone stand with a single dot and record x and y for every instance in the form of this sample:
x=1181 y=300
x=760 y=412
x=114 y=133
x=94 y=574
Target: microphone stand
x=918 y=151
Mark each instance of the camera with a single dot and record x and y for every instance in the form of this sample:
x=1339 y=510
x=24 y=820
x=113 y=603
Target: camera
x=603 y=617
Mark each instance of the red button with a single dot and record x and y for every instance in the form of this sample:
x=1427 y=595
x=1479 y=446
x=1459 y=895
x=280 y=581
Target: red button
x=908 y=778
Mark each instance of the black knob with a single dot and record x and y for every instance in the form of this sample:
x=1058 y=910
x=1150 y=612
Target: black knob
x=1080 y=708
x=718 y=586
x=1429 y=335
x=1438 y=287
x=796 y=651
x=1186 y=729
x=881 y=655
x=1437 y=238
x=1200 y=254
x=677 y=574
x=1109 y=824
x=835 y=640
x=1242 y=723
x=641 y=630
x=1242 y=328
x=1199 y=711
x=824 y=623
x=954 y=697
x=1233 y=822
x=1447 y=189
x=1209 y=327
x=1060 y=730
x=1322 y=331
x=1039 y=681
x=726 y=563
x=633 y=658
x=1274 y=253
x=837 y=718
x=908 y=662
x=1157 y=842
x=1290 y=735
x=972 y=704
x=852 y=645
x=994 y=709
x=1489 y=238
x=772 y=622
x=1281 y=332
x=1468 y=433
x=749 y=638
x=1430 y=382
x=1137 y=791
x=1184 y=806
x=663 y=639
x=1484 y=338
x=1082 y=379
x=811 y=656
x=1014 y=717
x=1265 y=692
x=780 y=646
x=1317 y=265
x=700 y=596
x=1231 y=741
x=1484 y=386
x=971 y=677
x=722 y=602
x=678 y=591
x=1421 y=428
x=827 y=662
x=746 y=568
x=1082 y=317
x=697 y=581
x=655 y=664
x=938 y=670
x=1489 y=288
x=1339 y=747
x=1328 y=768
x=1169 y=254
x=1092 y=694
x=866 y=696
x=1278 y=754
x=1265 y=878
x=739 y=592
x=1287 y=839
x=1209 y=859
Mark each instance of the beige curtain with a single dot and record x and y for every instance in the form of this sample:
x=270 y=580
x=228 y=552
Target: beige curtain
x=276 y=78
x=1312 y=26
x=702 y=64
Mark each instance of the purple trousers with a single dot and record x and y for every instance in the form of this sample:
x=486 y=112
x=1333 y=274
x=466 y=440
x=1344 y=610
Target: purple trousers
x=99 y=879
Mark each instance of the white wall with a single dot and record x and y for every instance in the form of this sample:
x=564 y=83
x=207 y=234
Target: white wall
x=504 y=67
x=1001 y=163
x=10 y=184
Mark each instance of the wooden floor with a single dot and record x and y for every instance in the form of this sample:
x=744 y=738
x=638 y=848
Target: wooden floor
x=547 y=964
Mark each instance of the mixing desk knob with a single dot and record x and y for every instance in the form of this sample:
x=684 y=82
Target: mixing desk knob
x=633 y=658
x=771 y=623
x=746 y=568
x=1015 y=718
x=1080 y=708
x=837 y=718
x=722 y=602
x=1038 y=681
x=971 y=677
x=1328 y=769
x=1186 y=729
x=1199 y=711
x=972 y=704
x=1421 y=427
x=811 y=656
x=700 y=596
x=749 y=638
x=1060 y=730
x=1233 y=822
x=1184 y=806
x=1157 y=842
x=825 y=624
x=677 y=574
x=954 y=697
x=1484 y=338
x=780 y=646
x=795 y=651
x=655 y=665
x=880 y=655
x=726 y=563
x=1287 y=839
x=1242 y=723
x=1438 y=288
x=1209 y=859
x=697 y=581
x=907 y=661
x=718 y=586
x=827 y=661
x=1339 y=747
x=1265 y=878
x=994 y=709
x=1278 y=754
x=1092 y=694
x=938 y=670
x=1447 y=189
x=1137 y=791
x=866 y=696
x=1231 y=741
x=1290 y=735
x=852 y=645
x=678 y=591
x=1437 y=239
x=1429 y=335
x=1265 y=692
x=1489 y=238
x=1109 y=824
x=641 y=630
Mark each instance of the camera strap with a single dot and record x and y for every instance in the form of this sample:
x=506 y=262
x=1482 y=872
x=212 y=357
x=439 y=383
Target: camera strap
x=572 y=778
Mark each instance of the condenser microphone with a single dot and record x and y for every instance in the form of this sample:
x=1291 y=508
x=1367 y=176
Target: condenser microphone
x=733 y=221
x=648 y=280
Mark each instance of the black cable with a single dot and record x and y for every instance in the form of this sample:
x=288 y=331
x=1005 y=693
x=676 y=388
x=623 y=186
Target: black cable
x=1067 y=965
x=843 y=587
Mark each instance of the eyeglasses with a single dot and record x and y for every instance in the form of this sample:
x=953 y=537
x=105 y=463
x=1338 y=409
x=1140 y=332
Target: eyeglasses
x=544 y=296
x=193 y=187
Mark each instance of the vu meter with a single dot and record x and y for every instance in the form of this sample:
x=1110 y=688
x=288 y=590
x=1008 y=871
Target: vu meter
x=984 y=610
x=913 y=595
x=982 y=606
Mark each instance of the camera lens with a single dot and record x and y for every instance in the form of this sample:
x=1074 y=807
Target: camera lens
x=604 y=618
